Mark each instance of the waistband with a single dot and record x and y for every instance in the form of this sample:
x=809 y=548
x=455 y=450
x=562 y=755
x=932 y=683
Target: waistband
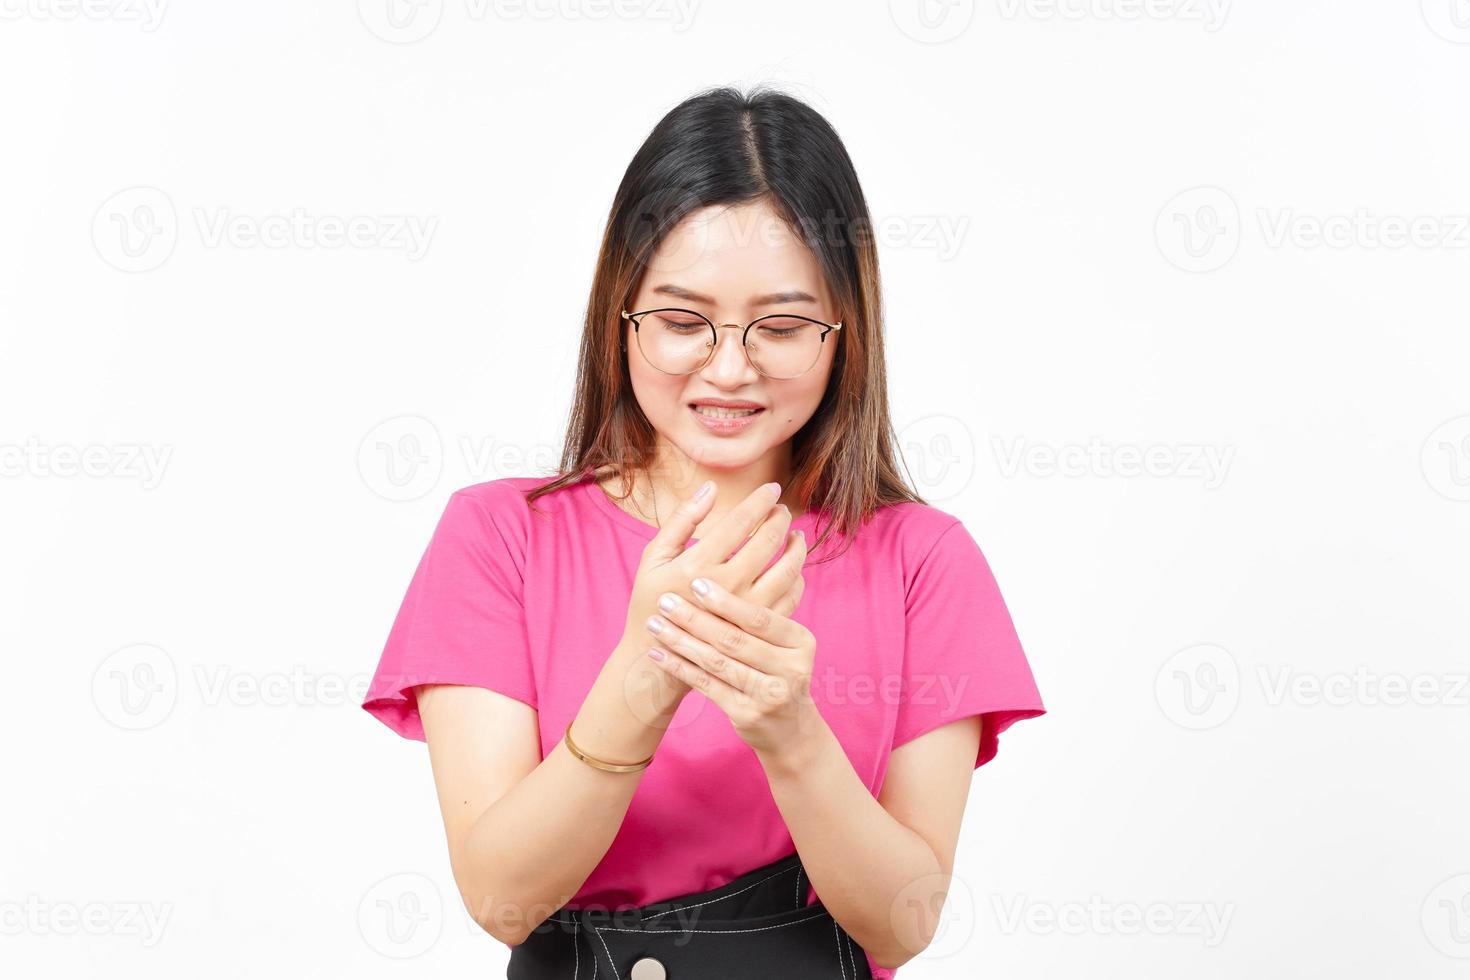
x=772 y=889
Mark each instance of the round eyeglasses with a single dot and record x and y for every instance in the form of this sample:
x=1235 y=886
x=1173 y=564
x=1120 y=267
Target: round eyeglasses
x=781 y=346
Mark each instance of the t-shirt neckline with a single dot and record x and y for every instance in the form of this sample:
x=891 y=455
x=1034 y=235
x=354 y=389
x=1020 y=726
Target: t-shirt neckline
x=617 y=514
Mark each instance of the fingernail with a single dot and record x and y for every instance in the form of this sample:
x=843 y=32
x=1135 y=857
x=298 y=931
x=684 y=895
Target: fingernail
x=775 y=489
x=655 y=625
x=700 y=586
x=704 y=488
x=668 y=601
x=656 y=654
x=803 y=535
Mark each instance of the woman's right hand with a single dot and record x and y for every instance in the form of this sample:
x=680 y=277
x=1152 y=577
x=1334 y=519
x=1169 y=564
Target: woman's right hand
x=758 y=527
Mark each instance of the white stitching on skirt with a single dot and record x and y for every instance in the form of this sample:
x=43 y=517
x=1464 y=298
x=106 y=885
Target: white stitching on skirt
x=718 y=932
x=798 y=887
x=856 y=949
x=841 y=963
x=576 y=953
x=851 y=958
x=722 y=897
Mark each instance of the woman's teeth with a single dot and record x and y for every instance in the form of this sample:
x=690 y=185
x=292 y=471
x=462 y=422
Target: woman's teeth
x=724 y=413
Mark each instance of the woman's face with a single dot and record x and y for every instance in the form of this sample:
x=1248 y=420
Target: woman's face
x=732 y=264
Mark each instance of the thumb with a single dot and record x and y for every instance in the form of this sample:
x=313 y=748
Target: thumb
x=671 y=539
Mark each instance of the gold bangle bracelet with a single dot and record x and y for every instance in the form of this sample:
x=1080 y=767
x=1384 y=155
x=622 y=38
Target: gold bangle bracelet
x=598 y=763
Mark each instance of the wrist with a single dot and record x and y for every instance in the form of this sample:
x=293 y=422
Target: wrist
x=799 y=755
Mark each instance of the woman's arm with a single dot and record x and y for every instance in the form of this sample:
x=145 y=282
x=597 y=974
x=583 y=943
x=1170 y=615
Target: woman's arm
x=890 y=900
x=524 y=833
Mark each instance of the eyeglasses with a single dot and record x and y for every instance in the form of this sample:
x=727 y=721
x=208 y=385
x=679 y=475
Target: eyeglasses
x=781 y=346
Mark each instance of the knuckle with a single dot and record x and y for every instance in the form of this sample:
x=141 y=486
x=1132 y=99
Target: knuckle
x=761 y=617
x=729 y=641
x=717 y=662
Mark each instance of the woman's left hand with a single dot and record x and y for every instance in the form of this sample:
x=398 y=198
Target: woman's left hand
x=753 y=663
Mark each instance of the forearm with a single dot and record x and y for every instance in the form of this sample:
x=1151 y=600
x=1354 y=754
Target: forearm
x=531 y=850
x=832 y=816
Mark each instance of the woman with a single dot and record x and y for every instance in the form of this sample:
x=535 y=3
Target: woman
x=670 y=738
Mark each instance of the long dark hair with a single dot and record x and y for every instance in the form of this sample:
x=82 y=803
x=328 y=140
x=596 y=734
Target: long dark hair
x=722 y=147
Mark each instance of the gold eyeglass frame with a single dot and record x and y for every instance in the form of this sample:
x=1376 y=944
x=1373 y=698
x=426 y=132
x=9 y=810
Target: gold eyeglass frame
x=715 y=337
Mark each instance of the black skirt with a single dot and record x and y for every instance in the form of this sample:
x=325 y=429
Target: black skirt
x=752 y=927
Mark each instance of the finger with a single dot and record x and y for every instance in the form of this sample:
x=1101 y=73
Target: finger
x=765 y=544
x=724 y=658
x=731 y=530
x=671 y=538
x=788 y=603
x=749 y=617
x=783 y=575
x=725 y=697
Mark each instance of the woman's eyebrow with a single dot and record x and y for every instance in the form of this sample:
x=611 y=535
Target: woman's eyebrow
x=770 y=299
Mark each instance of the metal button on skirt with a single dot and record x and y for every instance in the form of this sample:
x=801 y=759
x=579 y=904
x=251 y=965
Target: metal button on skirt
x=752 y=927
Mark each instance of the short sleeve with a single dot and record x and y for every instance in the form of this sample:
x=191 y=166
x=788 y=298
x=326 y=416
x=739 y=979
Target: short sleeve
x=961 y=653
x=461 y=621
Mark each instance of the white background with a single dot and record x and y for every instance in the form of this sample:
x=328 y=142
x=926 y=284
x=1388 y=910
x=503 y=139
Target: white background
x=1230 y=240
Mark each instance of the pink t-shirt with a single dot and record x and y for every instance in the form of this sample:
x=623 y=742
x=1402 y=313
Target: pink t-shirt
x=911 y=633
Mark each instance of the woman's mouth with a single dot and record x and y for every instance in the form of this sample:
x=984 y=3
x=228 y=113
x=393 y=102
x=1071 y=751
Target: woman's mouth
x=718 y=419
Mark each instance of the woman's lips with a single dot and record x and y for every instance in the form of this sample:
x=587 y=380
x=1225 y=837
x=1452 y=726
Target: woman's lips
x=724 y=425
